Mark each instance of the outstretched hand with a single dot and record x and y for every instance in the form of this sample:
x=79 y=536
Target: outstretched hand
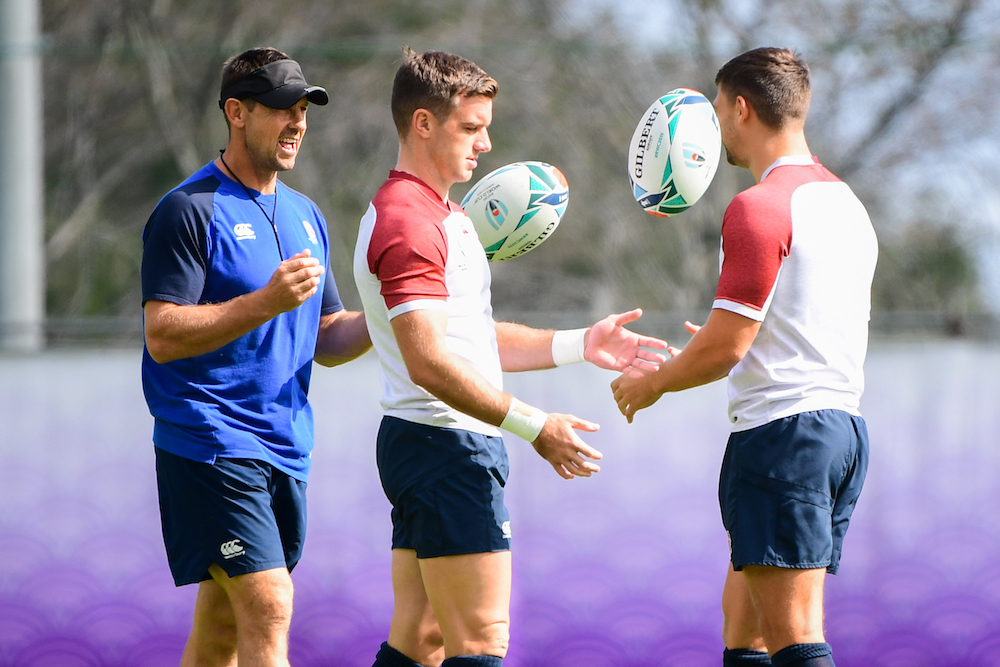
x=559 y=444
x=636 y=390
x=610 y=345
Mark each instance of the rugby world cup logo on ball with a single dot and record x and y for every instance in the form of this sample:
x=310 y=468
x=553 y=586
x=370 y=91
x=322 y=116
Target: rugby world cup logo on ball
x=674 y=152
x=497 y=212
x=516 y=207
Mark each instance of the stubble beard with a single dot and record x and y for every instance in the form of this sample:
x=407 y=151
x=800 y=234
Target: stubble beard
x=267 y=160
x=734 y=159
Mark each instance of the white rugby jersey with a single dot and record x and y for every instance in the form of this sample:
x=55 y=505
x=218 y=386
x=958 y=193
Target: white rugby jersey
x=798 y=255
x=415 y=251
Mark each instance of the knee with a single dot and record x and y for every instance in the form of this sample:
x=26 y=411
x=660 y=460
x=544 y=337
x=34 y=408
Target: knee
x=212 y=640
x=494 y=640
x=428 y=644
x=269 y=606
x=740 y=624
x=740 y=633
x=224 y=632
x=277 y=606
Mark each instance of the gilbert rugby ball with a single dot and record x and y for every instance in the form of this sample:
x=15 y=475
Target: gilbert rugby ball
x=674 y=152
x=516 y=207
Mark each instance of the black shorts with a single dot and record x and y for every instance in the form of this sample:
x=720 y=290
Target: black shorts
x=788 y=488
x=446 y=488
x=242 y=514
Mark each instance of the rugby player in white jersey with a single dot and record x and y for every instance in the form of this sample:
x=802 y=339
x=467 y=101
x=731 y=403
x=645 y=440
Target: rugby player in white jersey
x=425 y=283
x=789 y=326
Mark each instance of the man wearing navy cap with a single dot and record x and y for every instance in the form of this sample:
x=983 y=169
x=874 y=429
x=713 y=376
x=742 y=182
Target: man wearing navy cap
x=238 y=302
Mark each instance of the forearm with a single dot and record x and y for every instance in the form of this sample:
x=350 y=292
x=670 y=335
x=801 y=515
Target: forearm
x=691 y=368
x=523 y=348
x=178 y=332
x=710 y=355
x=445 y=375
x=452 y=380
x=342 y=336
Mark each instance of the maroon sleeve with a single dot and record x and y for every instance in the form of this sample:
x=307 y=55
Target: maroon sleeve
x=756 y=238
x=409 y=247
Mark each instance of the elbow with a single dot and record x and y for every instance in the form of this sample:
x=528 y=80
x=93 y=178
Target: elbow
x=330 y=360
x=734 y=357
x=159 y=355
x=426 y=376
x=160 y=349
x=727 y=361
x=160 y=343
x=342 y=337
x=422 y=378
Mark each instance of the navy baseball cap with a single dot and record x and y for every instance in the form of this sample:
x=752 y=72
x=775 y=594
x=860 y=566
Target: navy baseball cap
x=278 y=85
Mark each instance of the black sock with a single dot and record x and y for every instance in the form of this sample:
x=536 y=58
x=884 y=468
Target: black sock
x=744 y=657
x=804 y=655
x=473 y=661
x=390 y=657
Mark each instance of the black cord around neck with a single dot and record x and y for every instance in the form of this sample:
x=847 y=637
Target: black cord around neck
x=274 y=212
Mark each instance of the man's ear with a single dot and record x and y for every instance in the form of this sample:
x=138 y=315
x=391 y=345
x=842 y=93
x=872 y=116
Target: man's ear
x=422 y=123
x=236 y=112
x=743 y=109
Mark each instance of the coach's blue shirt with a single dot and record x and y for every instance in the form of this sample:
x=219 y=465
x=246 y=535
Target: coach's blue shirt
x=208 y=242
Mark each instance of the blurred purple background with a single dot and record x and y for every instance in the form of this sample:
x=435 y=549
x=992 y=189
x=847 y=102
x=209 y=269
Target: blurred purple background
x=621 y=570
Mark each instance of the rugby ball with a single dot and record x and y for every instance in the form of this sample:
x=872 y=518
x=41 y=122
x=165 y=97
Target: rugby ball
x=516 y=207
x=674 y=152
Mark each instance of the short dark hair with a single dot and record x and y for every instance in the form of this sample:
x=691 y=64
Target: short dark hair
x=432 y=80
x=774 y=81
x=238 y=66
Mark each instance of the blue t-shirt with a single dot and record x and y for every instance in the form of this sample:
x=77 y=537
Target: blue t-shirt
x=208 y=242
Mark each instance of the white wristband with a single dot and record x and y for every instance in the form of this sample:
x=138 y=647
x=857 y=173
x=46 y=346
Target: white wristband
x=523 y=420
x=567 y=346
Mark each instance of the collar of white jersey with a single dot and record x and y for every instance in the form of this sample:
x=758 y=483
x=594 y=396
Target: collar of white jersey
x=793 y=160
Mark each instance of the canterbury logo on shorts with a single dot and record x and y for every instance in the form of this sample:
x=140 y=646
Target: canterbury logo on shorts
x=232 y=549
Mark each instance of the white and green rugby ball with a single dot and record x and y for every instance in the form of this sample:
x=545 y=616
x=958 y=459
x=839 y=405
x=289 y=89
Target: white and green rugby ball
x=674 y=152
x=516 y=207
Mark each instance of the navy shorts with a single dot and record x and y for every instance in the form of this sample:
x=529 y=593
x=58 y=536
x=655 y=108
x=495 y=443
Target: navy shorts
x=446 y=488
x=242 y=514
x=788 y=488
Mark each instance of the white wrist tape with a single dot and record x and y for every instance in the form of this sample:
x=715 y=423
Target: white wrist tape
x=567 y=346
x=523 y=420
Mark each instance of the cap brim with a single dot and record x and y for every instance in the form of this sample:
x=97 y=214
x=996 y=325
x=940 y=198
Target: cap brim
x=286 y=96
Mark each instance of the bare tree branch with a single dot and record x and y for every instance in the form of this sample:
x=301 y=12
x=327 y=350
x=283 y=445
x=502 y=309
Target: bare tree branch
x=175 y=127
x=69 y=233
x=928 y=62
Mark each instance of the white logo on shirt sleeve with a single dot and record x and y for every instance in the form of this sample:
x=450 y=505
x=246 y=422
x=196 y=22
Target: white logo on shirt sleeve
x=311 y=233
x=244 y=231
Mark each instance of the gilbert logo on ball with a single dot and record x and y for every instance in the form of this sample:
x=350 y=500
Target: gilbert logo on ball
x=674 y=152
x=516 y=207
